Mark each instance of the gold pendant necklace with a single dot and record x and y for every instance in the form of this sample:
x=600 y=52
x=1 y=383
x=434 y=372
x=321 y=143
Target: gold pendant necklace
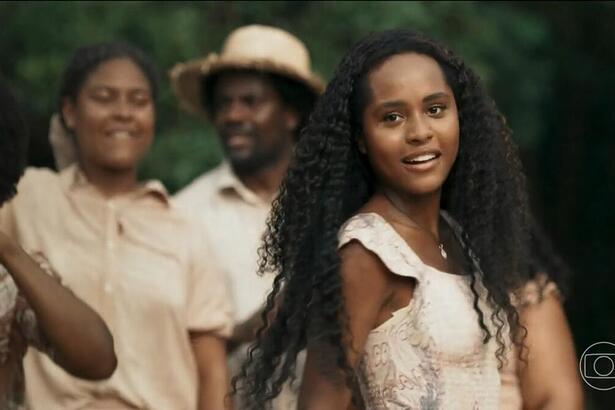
x=435 y=239
x=442 y=251
x=417 y=226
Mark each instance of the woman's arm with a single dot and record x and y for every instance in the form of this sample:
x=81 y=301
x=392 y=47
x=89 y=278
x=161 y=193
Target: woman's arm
x=550 y=380
x=81 y=342
x=210 y=354
x=366 y=288
x=245 y=332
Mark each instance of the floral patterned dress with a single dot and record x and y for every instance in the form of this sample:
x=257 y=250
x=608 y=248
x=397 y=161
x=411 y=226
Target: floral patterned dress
x=430 y=354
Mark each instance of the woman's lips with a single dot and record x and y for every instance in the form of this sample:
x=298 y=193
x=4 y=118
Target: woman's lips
x=120 y=135
x=421 y=161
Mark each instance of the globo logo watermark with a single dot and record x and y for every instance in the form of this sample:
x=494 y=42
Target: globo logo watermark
x=597 y=366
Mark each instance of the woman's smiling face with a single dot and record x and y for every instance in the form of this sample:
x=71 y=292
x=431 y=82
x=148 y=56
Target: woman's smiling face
x=410 y=125
x=112 y=116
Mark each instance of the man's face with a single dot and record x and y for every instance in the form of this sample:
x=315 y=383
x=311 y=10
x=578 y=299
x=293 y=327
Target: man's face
x=255 y=127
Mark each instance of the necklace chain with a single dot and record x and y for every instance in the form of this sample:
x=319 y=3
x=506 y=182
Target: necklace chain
x=416 y=225
x=432 y=236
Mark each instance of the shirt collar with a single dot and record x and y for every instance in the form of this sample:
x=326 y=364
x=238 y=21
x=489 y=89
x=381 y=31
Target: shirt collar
x=227 y=182
x=73 y=179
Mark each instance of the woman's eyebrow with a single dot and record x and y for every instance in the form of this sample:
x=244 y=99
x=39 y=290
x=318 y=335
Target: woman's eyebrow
x=429 y=98
x=435 y=96
x=391 y=104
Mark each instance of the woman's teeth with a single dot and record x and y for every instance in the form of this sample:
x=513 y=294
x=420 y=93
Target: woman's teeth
x=422 y=158
x=120 y=134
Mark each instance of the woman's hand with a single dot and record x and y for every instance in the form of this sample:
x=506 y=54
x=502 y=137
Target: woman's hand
x=80 y=340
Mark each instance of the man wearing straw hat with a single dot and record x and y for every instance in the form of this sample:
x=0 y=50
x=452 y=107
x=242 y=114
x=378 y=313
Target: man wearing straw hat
x=257 y=93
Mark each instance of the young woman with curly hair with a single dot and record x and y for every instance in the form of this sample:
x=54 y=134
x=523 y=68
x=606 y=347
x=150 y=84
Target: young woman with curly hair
x=398 y=236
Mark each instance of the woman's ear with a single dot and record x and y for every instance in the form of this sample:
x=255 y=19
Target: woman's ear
x=68 y=113
x=361 y=145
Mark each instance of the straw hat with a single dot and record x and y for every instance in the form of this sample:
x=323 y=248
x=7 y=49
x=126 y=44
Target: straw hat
x=254 y=47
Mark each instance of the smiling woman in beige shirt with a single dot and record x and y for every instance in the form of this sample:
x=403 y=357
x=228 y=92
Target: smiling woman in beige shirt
x=35 y=309
x=122 y=247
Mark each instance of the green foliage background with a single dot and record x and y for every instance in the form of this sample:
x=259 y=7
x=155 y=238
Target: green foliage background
x=548 y=65
x=37 y=39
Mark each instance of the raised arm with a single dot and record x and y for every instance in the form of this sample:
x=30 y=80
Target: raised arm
x=78 y=337
x=367 y=286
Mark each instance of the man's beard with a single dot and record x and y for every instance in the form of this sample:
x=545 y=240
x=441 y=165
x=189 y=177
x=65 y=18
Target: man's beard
x=257 y=160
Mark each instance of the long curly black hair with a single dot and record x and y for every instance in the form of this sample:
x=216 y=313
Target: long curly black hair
x=14 y=138
x=329 y=180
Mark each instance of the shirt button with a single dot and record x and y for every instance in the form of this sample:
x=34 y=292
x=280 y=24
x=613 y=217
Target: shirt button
x=110 y=244
x=108 y=288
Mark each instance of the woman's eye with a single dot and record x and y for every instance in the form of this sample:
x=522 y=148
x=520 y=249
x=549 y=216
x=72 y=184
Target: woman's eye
x=391 y=117
x=141 y=99
x=436 y=110
x=102 y=96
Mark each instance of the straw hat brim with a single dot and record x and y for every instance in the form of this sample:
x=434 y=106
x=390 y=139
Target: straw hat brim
x=187 y=78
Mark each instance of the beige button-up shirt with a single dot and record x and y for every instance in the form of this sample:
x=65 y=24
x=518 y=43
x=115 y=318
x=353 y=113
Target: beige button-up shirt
x=234 y=219
x=143 y=266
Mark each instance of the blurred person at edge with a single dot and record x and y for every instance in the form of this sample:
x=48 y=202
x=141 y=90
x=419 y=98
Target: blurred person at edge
x=257 y=93
x=35 y=309
x=121 y=245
